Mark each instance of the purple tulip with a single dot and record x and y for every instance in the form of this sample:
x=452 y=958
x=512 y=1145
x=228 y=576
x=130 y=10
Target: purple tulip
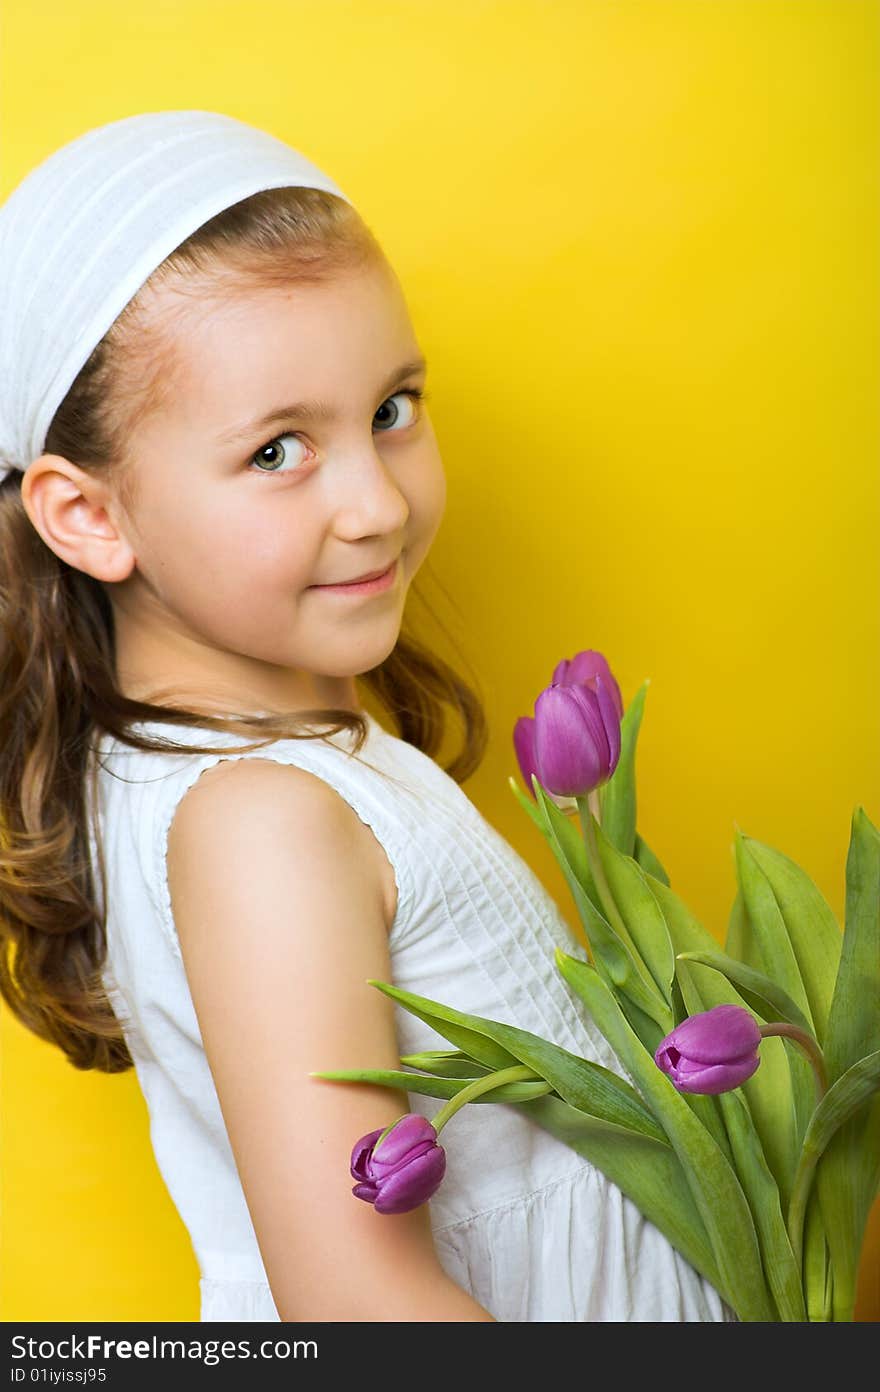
x=402 y=1170
x=583 y=668
x=524 y=744
x=712 y=1052
x=572 y=743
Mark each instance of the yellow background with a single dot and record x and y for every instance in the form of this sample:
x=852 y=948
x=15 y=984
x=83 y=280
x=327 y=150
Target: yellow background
x=639 y=241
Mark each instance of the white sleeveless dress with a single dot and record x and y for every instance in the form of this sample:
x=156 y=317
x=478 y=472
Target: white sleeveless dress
x=531 y=1229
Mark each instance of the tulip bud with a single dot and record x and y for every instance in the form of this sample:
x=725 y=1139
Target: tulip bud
x=399 y=1168
x=712 y=1052
x=582 y=669
x=524 y=745
x=572 y=743
x=576 y=738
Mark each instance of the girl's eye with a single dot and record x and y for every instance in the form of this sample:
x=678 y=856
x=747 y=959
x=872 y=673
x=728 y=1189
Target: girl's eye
x=274 y=454
x=415 y=396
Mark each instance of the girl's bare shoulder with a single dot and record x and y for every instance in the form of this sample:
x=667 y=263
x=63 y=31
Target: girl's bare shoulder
x=261 y=789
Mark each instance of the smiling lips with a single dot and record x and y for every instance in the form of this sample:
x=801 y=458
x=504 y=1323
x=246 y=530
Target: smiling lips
x=371 y=575
x=375 y=580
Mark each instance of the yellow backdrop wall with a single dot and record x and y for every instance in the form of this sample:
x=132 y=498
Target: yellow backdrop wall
x=639 y=242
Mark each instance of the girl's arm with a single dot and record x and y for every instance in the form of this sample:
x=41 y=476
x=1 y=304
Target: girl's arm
x=279 y=911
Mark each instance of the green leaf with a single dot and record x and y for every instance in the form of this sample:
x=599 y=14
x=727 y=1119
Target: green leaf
x=714 y=1185
x=812 y=929
x=847 y=1180
x=817 y=1265
x=435 y=1087
x=707 y=1108
x=848 y=1173
x=769 y=1091
x=445 y=1063
x=847 y=1096
x=647 y=1171
x=619 y=811
x=769 y=926
x=678 y=1005
x=645 y=1029
x=779 y=964
x=682 y=926
x=567 y=843
x=648 y=861
x=740 y=941
x=686 y=933
x=843 y=1099
x=760 y=993
x=619 y=962
x=780 y=1268
x=529 y=806
x=640 y=912
x=580 y=1082
x=854 y=1017
x=458 y=1029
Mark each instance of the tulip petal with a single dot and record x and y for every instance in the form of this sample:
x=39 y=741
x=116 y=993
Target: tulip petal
x=367 y=1191
x=361 y=1153
x=412 y=1183
x=571 y=751
x=381 y=1169
x=412 y=1130
x=587 y=699
x=610 y=717
x=710 y=1079
x=582 y=668
x=719 y=1035
x=524 y=745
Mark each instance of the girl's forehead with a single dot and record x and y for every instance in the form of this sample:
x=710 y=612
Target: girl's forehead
x=198 y=314
x=227 y=351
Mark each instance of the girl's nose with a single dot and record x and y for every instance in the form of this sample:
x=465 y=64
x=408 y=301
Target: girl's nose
x=367 y=497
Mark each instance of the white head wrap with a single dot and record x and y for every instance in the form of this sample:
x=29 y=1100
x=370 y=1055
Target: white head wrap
x=86 y=227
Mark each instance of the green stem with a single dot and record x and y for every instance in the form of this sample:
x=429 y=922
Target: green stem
x=843 y=1305
x=518 y=1073
x=797 y=1207
x=809 y=1157
x=597 y=869
x=809 y=1046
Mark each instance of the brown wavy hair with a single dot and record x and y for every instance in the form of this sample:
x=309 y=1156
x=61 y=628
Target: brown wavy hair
x=58 y=680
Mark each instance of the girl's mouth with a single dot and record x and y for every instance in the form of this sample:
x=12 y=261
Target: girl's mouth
x=363 y=587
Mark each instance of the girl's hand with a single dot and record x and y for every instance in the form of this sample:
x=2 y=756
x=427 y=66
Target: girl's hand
x=280 y=912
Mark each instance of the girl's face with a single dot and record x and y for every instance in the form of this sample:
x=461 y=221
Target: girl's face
x=239 y=519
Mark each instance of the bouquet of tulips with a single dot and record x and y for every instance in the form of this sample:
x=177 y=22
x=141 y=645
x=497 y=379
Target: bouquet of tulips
x=750 y=1135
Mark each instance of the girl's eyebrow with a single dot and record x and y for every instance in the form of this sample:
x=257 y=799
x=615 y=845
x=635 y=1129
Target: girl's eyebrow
x=310 y=410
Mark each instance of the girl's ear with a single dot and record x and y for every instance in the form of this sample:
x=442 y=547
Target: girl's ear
x=74 y=514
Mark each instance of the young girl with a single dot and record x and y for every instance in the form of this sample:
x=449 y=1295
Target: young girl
x=213 y=431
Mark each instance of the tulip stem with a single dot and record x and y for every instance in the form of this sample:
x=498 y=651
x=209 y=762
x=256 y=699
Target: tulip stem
x=598 y=872
x=809 y=1046
x=516 y=1074
x=809 y=1156
x=797 y=1205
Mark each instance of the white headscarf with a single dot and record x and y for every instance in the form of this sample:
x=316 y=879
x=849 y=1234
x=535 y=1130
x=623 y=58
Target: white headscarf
x=86 y=227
